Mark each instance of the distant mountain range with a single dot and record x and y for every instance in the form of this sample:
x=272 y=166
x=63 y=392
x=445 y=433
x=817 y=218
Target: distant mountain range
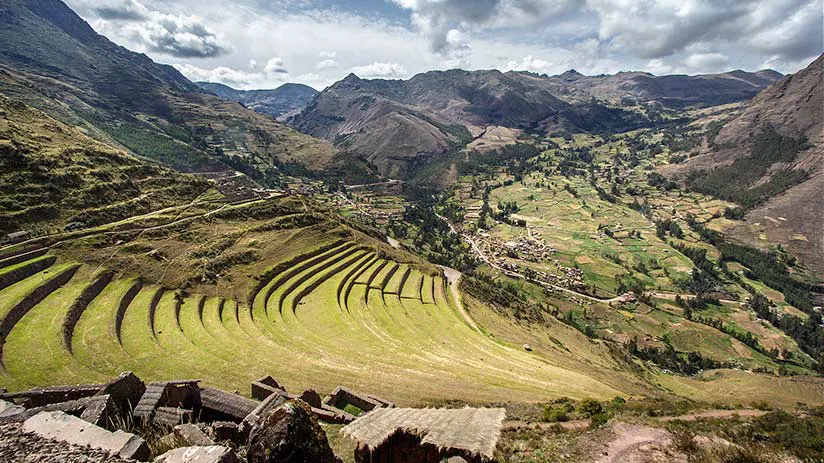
x=54 y=61
x=282 y=101
x=672 y=91
x=394 y=123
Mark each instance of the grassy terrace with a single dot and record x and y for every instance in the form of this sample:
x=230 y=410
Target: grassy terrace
x=340 y=315
x=230 y=294
x=336 y=317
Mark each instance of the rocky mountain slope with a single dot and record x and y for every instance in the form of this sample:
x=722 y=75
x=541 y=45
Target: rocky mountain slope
x=790 y=211
x=671 y=91
x=399 y=125
x=52 y=174
x=55 y=61
x=282 y=101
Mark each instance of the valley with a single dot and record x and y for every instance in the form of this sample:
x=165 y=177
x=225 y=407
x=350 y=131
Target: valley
x=616 y=264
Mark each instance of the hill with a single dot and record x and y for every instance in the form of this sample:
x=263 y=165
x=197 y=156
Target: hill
x=52 y=174
x=768 y=159
x=400 y=125
x=54 y=61
x=282 y=101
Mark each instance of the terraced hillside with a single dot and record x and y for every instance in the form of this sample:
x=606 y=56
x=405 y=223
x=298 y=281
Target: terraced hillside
x=336 y=314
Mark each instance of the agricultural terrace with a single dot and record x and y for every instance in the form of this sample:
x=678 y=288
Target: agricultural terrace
x=590 y=214
x=326 y=305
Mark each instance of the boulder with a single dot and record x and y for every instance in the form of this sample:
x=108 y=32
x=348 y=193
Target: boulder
x=190 y=434
x=209 y=454
x=8 y=409
x=70 y=429
x=288 y=432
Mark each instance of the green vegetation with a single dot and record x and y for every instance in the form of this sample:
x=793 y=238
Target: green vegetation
x=737 y=182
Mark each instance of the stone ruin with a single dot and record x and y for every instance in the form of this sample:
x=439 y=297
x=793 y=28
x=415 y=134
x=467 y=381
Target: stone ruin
x=204 y=424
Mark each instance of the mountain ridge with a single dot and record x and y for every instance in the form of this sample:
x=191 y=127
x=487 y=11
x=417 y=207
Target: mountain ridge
x=278 y=102
x=398 y=123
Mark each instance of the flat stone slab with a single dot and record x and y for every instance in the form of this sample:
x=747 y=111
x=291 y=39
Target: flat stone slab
x=70 y=429
x=209 y=454
x=9 y=409
x=192 y=435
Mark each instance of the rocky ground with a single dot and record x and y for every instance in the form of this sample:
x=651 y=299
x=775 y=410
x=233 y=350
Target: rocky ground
x=22 y=447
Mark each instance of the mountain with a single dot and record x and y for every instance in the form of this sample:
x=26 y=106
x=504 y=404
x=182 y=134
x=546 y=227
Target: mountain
x=399 y=124
x=282 y=101
x=672 y=91
x=53 y=60
x=777 y=144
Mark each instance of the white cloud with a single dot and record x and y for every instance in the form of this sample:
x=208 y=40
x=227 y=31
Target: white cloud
x=328 y=54
x=707 y=61
x=178 y=35
x=275 y=66
x=253 y=64
x=326 y=64
x=531 y=64
x=380 y=70
x=222 y=74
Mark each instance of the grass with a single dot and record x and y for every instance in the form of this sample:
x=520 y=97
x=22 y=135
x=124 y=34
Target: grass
x=408 y=349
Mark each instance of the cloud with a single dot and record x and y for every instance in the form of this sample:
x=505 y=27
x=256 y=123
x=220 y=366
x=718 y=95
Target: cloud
x=707 y=61
x=326 y=64
x=275 y=66
x=221 y=74
x=178 y=35
x=124 y=10
x=404 y=37
x=380 y=70
x=436 y=19
x=531 y=64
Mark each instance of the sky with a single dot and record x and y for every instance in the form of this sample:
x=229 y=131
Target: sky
x=250 y=44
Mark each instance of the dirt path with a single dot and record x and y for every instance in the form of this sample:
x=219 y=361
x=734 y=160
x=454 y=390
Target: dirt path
x=629 y=440
x=454 y=277
x=583 y=424
x=715 y=414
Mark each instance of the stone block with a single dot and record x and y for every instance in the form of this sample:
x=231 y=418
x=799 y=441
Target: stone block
x=210 y=454
x=70 y=429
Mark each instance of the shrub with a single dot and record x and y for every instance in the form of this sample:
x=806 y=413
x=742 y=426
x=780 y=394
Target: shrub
x=555 y=414
x=590 y=408
x=597 y=420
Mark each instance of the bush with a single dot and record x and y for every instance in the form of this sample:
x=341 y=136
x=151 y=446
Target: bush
x=597 y=420
x=555 y=414
x=590 y=407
